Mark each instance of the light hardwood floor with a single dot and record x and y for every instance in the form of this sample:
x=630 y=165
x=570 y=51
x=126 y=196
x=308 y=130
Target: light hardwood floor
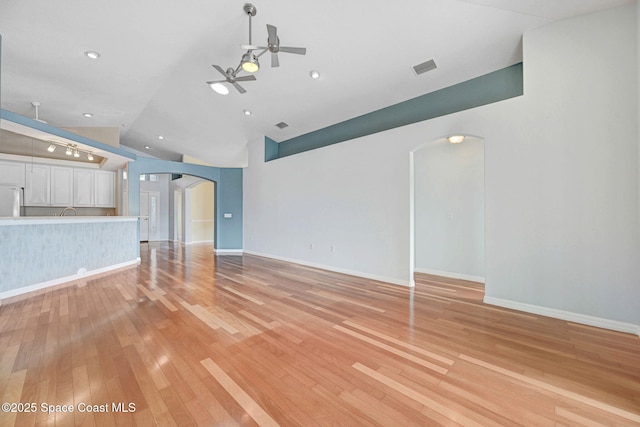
x=188 y=338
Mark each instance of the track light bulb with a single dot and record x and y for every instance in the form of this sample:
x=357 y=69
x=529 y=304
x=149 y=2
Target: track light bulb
x=51 y=148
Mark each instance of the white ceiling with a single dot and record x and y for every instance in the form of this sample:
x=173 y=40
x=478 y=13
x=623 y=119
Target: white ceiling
x=157 y=55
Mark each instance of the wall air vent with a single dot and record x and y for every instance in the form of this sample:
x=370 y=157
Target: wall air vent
x=282 y=125
x=424 y=67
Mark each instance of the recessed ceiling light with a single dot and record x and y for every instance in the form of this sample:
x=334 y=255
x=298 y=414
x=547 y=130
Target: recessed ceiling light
x=160 y=137
x=455 y=139
x=219 y=88
x=314 y=74
x=87 y=114
x=146 y=147
x=92 y=54
x=247 y=112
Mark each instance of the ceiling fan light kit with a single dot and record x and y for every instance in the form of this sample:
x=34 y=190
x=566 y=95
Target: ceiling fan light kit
x=249 y=61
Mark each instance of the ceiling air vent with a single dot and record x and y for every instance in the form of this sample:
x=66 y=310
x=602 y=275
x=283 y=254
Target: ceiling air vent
x=282 y=125
x=424 y=67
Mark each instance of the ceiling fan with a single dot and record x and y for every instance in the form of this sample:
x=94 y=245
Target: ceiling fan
x=230 y=77
x=249 y=61
x=273 y=42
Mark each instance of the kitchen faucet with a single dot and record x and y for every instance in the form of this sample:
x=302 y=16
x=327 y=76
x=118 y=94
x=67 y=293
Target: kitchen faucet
x=75 y=212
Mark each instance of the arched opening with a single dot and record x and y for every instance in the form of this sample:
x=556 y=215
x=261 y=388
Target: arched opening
x=178 y=208
x=194 y=208
x=447 y=233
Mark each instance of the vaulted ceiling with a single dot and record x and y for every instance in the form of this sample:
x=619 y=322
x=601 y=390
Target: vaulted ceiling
x=156 y=56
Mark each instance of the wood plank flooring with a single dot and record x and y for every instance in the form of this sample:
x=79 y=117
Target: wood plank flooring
x=190 y=339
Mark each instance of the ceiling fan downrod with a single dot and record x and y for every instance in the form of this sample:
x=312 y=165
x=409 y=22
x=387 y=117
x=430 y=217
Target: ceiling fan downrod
x=251 y=11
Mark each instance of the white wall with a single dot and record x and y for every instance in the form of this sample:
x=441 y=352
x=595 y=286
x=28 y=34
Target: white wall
x=562 y=176
x=449 y=208
x=562 y=190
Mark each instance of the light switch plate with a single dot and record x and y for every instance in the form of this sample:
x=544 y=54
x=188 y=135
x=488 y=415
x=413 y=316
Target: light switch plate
x=228 y=215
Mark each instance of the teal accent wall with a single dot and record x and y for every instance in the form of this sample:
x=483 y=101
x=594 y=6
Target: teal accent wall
x=271 y=149
x=496 y=86
x=228 y=181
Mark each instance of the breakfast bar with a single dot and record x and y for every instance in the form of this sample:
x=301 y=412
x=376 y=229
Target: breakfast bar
x=38 y=252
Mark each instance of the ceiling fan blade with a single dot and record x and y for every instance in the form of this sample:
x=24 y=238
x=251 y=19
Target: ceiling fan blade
x=216 y=81
x=274 y=59
x=296 y=50
x=251 y=47
x=239 y=88
x=273 y=35
x=220 y=70
x=245 y=78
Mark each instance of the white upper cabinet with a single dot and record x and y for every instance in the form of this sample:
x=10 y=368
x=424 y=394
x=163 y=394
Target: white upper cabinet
x=51 y=185
x=38 y=185
x=61 y=186
x=83 y=187
x=105 y=193
x=12 y=173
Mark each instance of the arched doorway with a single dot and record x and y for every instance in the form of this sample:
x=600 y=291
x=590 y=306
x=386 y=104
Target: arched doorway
x=447 y=209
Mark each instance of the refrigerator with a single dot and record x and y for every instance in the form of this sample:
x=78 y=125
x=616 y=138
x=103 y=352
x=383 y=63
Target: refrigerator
x=11 y=200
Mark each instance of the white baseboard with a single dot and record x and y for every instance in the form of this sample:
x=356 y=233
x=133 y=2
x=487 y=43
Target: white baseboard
x=450 y=275
x=199 y=242
x=584 y=319
x=82 y=274
x=228 y=251
x=391 y=280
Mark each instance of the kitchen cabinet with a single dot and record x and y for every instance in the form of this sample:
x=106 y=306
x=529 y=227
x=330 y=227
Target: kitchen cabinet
x=37 y=190
x=61 y=186
x=52 y=185
x=47 y=185
x=105 y=189
x=12 y=173
x=83 y=187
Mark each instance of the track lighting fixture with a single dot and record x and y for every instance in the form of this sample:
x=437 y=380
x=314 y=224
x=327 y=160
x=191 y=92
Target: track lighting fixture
x=70 y=150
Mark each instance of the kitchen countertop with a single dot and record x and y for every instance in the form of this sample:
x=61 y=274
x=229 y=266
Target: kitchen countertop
x=33 y=220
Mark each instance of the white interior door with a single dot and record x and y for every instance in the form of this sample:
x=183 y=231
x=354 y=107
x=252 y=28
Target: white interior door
x=144 y=216
x=149 y=215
